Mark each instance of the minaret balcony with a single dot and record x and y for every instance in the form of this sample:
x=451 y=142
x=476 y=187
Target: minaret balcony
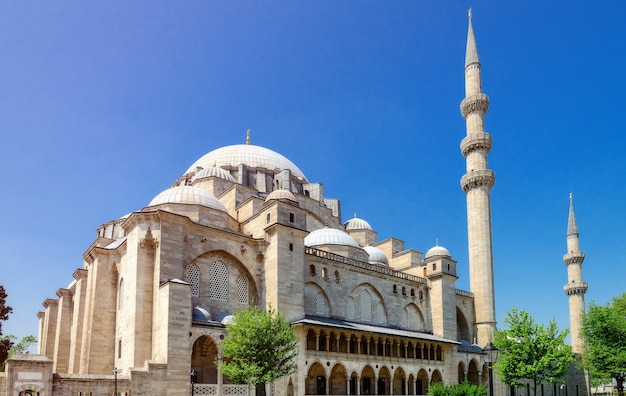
x=476 y=178
x=575 y=288
x=476 y=141
x=478 y=102
x=574 y=258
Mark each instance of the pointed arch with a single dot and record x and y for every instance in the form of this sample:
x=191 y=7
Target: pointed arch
x=337 y=382
x=414 y=319
x=462 y=326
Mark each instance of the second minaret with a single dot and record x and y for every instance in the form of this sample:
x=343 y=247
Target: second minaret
x=477 y=183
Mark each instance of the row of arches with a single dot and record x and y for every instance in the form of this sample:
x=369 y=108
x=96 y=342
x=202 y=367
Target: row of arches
x=375 y=345
x=368 y=381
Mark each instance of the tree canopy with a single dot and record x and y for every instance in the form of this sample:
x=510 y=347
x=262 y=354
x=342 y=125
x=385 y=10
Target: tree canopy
x=531 y=352
x=259 y=347
x=604 y=329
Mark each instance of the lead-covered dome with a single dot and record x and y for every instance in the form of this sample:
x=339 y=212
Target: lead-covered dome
x=249 y=155
x=281 y=194
x=213 y=171
x=357 y=224
x=376 y=256
x=329 y=236
x=188 y=195
x=437 y=251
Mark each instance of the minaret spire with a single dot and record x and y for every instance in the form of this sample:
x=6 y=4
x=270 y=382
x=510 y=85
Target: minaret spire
x=477 y=183
x=575 y=288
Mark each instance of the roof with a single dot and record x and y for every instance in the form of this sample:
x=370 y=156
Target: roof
x=367 y=328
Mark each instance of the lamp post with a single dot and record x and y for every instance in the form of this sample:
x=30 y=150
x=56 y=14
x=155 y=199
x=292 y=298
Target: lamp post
x=115 y=371
x=193 y=377
x=491 y=357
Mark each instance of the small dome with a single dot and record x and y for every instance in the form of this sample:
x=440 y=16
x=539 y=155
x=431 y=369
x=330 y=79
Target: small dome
x=281 y=194
x=188 y=195
x=213 y=171
x=329 y=236
x=228 y=319
x=377 y=256
x=437 y=251
x=200 y=315
x=357 y=224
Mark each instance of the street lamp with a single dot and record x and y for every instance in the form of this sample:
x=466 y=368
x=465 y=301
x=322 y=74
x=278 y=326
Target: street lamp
x=491 y=357
x=115 y=371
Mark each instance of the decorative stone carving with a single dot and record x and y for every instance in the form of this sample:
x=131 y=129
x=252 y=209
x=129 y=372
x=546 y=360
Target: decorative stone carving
x=477 y=178
x=574 y=258
x=149 y=241
x=575 y=288
x=474 y=103
x=476 y=141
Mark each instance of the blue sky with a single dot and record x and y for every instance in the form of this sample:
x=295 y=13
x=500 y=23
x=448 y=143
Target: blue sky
x=104 y=104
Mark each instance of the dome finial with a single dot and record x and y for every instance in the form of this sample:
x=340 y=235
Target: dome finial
x=469 y=14
x=436 y=241
x=355 y=214
x=248 y=137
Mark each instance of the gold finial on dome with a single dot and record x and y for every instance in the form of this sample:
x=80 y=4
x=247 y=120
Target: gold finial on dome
x=248 y=137
x=469 y=14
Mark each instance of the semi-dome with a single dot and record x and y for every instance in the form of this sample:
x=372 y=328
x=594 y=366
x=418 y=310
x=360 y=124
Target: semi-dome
x=250 y=155
x=214 y=171
x=377 y=256
x=357 y=224
x=280 y=194
x=329 y=236
x=437 y=251
x=200 y=315
x=188 y=195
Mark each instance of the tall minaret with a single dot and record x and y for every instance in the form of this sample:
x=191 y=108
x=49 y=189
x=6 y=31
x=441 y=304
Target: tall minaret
x=477 y=183
x=575 y=287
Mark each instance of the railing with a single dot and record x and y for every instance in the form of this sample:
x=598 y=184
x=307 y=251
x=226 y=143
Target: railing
x=227 y=389
x=464 y=293
x=363 y=265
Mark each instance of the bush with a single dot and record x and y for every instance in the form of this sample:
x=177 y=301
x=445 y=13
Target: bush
x=462 y=389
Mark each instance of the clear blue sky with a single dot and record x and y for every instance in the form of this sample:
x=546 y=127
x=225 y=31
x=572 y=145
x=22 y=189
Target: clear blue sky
x=104 y=104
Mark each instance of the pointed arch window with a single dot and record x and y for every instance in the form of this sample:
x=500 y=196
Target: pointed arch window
x=320 y=304
x=366 y=306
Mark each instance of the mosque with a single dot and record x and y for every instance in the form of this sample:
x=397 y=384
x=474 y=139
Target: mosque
x=146 y=312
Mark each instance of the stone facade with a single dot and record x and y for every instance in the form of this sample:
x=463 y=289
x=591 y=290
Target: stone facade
x=146 y=312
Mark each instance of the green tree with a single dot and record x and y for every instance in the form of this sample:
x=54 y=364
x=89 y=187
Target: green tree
x=5 y=310
x=259 y=347
x=531 y=352
x=604 y=329
x=8 y=347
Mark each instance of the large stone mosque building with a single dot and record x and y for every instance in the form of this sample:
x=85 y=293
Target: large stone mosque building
x=146 y=312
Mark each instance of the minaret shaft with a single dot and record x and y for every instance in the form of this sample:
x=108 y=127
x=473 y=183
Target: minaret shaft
x=477 y=183
x=575 y=288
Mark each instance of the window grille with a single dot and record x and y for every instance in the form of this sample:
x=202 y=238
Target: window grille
x=242 y=290
x=350 y=309
x=219 y=281
x=366 y=306
x=120 y=302
x=320 y=305
x=192 y=276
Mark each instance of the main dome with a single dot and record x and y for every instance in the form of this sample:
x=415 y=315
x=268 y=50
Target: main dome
x=250 y=155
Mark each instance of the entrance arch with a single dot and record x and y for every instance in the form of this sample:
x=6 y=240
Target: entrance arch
x=203 y=358
x=316 y=380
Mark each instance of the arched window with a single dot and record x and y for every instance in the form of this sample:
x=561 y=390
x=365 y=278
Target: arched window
x=192 y=276
x=120 y=295
x=218 y=274
x=242 y=290
x=312 y=270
